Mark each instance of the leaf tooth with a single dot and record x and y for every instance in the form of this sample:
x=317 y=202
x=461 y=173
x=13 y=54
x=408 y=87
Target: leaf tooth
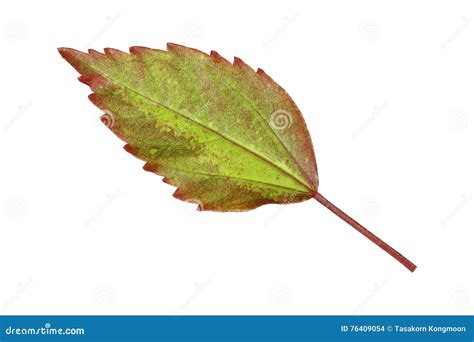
x=97 y=100
x=135 y=152
x=261 y=72
x=142 y=49
x=183 y=196
x=169 y=181
x=180 y=194
x=241 y=64
x=95 y=54
x=178 y=49
x=148 y=166
x=114 y=53
x=94 y=98
x=172 y=47
x=94 y=81
x=130 y=149
x=218 y=58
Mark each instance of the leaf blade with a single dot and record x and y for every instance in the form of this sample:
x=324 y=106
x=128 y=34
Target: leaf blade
x=175 y=109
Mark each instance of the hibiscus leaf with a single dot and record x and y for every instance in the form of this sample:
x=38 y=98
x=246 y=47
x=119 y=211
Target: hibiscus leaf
x=228 y=137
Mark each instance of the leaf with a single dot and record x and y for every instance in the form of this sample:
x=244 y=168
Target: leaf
x=227 y=136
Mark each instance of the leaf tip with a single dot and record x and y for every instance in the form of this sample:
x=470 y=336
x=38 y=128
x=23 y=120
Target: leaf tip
x=62 y=50
x=70 y=55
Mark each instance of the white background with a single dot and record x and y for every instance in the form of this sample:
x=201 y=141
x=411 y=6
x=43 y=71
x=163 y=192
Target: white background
x=387 y=92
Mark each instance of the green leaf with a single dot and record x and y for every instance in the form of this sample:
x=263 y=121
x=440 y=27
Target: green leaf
x=228 y=137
